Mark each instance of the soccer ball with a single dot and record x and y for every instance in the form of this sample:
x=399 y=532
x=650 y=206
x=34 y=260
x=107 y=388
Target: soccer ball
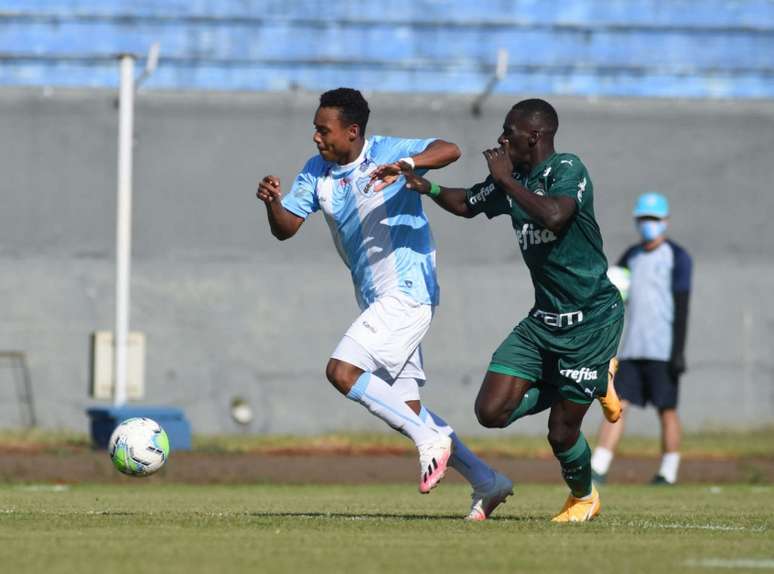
x=138 y=446
x=621 y=277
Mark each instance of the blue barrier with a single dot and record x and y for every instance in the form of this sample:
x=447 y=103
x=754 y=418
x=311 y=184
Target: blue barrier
x=104 y=420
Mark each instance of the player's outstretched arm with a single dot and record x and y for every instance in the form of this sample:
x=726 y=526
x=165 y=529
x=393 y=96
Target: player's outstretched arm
x=553 y=213
x=282 y=222
x=452 y=200
x=438 y=154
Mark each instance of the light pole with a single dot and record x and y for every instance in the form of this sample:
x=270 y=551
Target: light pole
x=124 y=212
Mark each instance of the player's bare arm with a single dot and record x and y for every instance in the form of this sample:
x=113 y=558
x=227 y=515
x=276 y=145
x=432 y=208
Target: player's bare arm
x=438 y=154
x=282 y=222
x=553 y=213
x=450 y=199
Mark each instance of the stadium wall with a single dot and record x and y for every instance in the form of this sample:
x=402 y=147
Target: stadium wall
x=229 y=311
x=661 y=48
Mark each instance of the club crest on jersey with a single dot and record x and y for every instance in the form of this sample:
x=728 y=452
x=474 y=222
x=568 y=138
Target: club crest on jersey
x=364 y=185
x=581 y=188
x=529 y=236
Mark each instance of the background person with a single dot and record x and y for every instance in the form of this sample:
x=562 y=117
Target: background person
x=652 y=353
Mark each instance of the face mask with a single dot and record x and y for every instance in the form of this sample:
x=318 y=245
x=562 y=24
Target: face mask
x=650 y=230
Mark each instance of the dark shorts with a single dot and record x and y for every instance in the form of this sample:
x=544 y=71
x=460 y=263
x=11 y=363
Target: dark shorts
x=575 y=363
x=641 y=382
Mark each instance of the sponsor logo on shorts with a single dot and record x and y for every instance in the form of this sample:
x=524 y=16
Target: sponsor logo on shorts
x=528 y=236
x=578 y=375
x=368 y=326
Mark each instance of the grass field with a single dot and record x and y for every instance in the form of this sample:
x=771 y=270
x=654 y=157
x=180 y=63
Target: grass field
x=140 y=527
x=707 y=444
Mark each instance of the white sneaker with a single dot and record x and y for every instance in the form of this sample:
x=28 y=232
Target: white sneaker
x=485 y=501
x=433 y=460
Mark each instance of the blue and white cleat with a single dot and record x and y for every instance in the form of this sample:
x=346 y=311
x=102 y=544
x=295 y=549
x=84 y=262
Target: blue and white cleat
x=485 y=501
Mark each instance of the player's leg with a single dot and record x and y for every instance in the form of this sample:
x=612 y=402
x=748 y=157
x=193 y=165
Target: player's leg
x=490 y=488
x=610 y=401
x=574 y=455
x=408 y=383
x=380 y=343
x=664 y=395
x=581 y=376
x=607 y=442
x=375 y=394
x=503 y=399
x=369 y=349
x=511 y=387
x=631 y=390
x=670 y=446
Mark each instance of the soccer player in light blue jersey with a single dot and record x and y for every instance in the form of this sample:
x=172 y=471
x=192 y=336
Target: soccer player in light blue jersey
x=383 y=236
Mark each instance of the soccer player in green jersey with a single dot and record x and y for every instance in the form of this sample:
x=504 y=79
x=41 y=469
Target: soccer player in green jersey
x=562 y=355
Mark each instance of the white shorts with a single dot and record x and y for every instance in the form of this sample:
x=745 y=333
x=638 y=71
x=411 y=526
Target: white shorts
x=385 y=338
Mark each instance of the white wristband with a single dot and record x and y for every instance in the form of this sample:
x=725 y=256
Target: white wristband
x=408 y=160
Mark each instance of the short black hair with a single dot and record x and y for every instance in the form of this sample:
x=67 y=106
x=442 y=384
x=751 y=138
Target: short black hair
x=352 y=106
x=539 y=111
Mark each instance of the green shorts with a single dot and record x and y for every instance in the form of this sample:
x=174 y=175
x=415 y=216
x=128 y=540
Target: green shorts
x=576 y=362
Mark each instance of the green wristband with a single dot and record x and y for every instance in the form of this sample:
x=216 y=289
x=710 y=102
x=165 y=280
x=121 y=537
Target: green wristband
x=435 y=190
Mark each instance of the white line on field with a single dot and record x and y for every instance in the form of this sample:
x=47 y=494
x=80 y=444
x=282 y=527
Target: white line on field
x=678 y=526
x=763 y=563
x=44 y=488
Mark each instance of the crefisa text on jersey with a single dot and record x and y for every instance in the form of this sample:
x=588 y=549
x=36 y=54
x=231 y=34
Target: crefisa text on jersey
x=529 y=235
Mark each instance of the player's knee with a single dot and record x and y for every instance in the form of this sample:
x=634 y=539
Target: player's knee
x=562 y=438
x=489 y=415
x=340 y=375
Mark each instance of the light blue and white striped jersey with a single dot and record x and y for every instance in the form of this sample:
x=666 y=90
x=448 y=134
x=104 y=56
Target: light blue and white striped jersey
x=383 y=237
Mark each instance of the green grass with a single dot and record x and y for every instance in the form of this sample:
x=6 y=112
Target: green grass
x=140 y=527
x=716 y=443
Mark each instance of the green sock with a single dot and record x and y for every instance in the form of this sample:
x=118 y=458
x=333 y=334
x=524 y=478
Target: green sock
x=538 y=398
x=576 y=467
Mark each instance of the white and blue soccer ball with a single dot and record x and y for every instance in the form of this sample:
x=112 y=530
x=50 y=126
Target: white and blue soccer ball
x=139 y=446
x=621 y=277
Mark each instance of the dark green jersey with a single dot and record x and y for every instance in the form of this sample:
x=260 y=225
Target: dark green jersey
x=569 y=270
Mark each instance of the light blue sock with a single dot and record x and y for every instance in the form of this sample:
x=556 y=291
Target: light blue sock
x=381 y=400
x=479 y=474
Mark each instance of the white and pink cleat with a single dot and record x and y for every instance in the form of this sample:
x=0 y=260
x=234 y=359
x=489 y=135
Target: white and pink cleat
x=433 y=461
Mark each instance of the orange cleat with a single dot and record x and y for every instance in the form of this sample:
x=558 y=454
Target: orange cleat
x=580 y=509
x=611 y=404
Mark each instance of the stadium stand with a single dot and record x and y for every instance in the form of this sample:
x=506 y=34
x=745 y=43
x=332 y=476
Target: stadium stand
x=711 y=48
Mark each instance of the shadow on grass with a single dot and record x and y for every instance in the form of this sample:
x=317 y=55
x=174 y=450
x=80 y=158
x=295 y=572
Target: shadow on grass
x=384 y=516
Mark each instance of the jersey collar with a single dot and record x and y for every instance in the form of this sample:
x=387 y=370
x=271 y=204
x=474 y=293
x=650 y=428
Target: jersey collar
x=341 y=170
x=542 y=165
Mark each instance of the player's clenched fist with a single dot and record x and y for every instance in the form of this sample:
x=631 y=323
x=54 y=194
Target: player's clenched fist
x=269 y=189
x=499 y=162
